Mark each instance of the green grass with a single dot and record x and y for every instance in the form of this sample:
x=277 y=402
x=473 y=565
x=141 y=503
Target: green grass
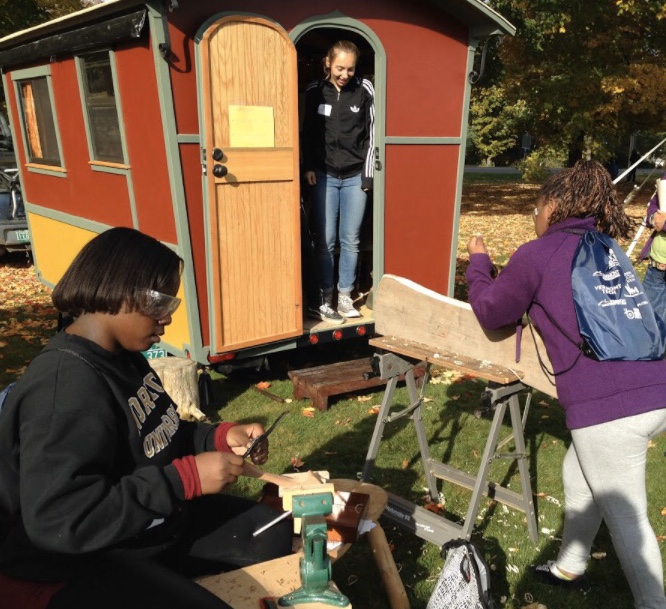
x=337 y=441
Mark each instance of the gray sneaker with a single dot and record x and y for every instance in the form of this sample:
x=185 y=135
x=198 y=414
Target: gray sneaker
x=346 y=306
x=329 y=314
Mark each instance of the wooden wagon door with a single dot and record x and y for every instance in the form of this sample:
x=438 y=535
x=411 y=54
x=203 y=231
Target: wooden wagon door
x=250 y=107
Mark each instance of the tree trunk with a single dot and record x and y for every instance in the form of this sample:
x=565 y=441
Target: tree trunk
x=576 y=149
x=180 y=379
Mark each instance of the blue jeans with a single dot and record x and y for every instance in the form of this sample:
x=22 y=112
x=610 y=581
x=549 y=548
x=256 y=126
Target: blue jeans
x=655 y=290
x=338 y=203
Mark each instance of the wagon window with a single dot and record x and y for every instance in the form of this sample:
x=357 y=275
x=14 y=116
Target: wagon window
x=102 y=111
x=38 y=120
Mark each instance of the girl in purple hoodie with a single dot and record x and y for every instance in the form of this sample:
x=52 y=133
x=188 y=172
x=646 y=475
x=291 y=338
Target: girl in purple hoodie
x=613 y=408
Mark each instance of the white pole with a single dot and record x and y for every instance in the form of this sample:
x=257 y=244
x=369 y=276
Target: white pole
x=638 y=162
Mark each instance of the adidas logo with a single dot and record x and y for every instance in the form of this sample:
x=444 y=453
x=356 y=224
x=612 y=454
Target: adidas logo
x=354 y=109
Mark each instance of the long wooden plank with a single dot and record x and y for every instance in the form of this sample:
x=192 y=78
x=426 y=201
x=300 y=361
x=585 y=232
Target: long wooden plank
x=406 y=310
x=446 y=359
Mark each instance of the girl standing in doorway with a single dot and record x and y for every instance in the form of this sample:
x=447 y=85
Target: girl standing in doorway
x=338 y=159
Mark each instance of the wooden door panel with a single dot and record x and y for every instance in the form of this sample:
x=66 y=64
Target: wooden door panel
x=251 y=116
x=252 y=166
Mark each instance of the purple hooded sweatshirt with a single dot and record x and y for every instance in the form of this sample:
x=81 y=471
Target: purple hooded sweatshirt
x=590 y=392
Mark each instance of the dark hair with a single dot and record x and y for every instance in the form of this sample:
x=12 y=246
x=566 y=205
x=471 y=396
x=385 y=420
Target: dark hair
x=341 y=46
x=110 y=268
x=554 y=186
x=588 y=192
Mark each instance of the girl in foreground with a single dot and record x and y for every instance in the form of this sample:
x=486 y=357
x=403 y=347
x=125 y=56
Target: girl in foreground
x=613 y=408
x=107 y=499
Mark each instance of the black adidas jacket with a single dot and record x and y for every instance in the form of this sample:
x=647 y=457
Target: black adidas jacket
x=338 y=129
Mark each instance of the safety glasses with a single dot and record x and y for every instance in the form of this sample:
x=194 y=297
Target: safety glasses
x=156 y=305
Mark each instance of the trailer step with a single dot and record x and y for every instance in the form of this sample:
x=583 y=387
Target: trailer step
x=321 y=382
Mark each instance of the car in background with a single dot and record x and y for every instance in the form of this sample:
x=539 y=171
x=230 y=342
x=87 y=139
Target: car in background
x=14 y=234
x=6 y=140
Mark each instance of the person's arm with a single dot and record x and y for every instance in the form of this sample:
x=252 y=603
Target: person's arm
x=367 y=177
x=654 y=218
x=504 y=300
x=73 y=499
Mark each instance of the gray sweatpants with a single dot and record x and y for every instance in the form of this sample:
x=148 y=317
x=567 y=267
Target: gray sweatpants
x=604 y=478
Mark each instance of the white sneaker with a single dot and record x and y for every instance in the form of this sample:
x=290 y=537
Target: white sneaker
x=346 y=306
x=329 y=314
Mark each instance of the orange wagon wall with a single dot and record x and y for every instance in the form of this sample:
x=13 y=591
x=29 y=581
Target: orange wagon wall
x=145 y=142
x=80 y=192
x=427 y=53
x=100 y=196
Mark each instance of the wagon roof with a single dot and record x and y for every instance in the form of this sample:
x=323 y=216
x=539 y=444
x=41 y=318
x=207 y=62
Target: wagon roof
x=477 y=14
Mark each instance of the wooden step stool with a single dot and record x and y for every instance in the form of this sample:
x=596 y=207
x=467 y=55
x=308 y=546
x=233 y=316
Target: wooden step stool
x=321 y=382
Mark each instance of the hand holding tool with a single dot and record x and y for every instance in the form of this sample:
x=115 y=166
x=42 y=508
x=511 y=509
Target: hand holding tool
x=263 y=436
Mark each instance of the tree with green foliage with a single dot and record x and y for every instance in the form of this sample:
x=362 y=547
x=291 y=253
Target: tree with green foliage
x=17 y=15
x=587 y=74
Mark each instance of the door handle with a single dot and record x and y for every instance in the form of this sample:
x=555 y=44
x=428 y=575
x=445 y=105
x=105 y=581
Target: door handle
x=219 y=171
x=218 y=155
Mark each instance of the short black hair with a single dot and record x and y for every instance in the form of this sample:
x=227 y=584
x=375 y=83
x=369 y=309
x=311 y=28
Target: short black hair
x=110 y=268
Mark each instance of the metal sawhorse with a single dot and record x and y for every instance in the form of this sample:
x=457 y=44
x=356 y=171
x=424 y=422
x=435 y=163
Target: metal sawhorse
x=399 y=357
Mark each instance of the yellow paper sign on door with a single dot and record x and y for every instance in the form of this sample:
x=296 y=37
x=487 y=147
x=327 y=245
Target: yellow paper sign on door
x=251 y=127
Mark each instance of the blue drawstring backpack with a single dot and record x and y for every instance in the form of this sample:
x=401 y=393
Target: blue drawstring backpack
x=615 y=318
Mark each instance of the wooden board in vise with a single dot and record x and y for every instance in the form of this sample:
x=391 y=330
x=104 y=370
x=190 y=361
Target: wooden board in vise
x=406 y=310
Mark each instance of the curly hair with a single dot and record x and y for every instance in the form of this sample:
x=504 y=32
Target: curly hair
x=587 y=191
x=554 y=187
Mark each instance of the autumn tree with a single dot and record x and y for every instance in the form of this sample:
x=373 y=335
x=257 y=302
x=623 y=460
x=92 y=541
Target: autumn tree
x=587 y=74
x=16 y=15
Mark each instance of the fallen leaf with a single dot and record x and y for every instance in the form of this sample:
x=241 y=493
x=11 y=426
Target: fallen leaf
x=434 y=507
x=364 y=398
x=405 y=463
x=263 y=385
x=374 y=410
x=598 y=555
x=297 y=462
x=308 y=412
x=663 y=511
x=288 y=400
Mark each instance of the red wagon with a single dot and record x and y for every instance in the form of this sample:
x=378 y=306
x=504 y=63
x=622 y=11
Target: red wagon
x=123 y=114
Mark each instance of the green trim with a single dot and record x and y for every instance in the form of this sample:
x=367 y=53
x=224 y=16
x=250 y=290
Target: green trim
x=217 y=16
x=78 y=60
x=38 y=72
x=159 y=36
x=65 y=218
x=47 y=172
x=31 y=72
x=339 y=20
x=423 y=141
x=189 y=138
x=471 y=48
